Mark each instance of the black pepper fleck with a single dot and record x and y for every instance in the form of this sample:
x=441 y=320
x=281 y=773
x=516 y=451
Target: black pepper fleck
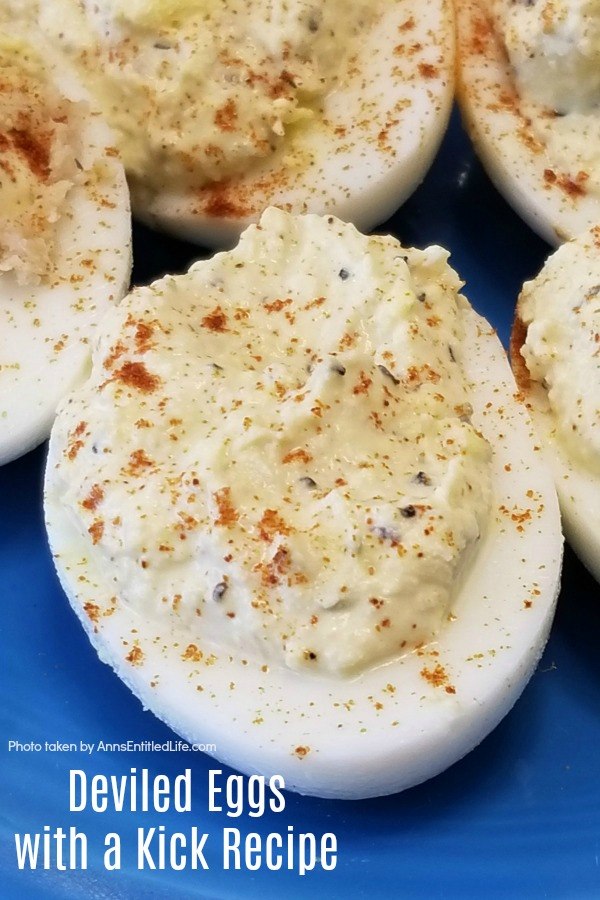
x=313 y=23
x=385 y=371
x=422 y=478
x=386 y=534
x=219 y=591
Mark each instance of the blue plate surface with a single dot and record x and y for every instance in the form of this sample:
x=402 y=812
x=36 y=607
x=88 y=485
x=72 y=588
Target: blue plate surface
x=519 y=817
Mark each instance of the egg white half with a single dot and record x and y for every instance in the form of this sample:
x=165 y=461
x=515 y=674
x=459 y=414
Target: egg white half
x=395 y=725
x=577 y=485
x=555 y=205
x=360 y=160
x=45 y=328
x=381 y=129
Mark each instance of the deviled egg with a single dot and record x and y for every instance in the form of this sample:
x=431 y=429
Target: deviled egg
x=299 y=509
x=555 y=353
x=529 y=91
x=222 y=108
x=65 y=236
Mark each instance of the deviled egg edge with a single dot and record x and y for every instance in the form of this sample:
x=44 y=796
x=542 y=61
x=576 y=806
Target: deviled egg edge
x=551 y=201
x=392 y=726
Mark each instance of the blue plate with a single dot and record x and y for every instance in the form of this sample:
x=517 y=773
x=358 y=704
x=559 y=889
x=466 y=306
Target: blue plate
x=519 y=817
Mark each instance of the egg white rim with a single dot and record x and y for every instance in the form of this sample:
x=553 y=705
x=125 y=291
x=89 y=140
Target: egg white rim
x=517 y=163
x=352 y=749
x=577 y=487
x=362 y=177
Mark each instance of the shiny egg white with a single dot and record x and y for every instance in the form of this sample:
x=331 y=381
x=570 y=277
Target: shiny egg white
x=569 y=276
x=359 y=160
x=396 y=724
x=552 y=198
x=45 y=328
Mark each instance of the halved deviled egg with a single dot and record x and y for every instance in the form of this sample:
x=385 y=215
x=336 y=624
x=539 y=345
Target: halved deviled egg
x=65 y=238
x=556 y=358
x=529 y=90
x=222 y=108
x=299 y=509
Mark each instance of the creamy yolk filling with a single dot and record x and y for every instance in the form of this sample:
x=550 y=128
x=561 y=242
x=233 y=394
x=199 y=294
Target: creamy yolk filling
x=38 y=167
x=561 y=309
x=554 y=49
x=200 y=90
x=275 y=450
